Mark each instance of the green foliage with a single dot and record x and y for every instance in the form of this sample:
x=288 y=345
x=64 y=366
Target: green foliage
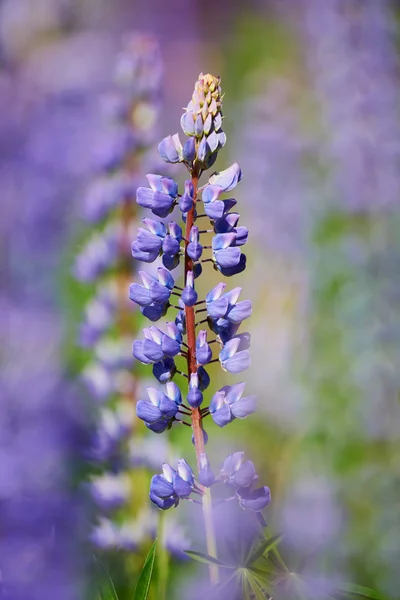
x=106 y=589
x=143 y=584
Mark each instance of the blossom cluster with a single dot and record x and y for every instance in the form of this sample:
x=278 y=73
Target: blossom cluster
x=129 y=113
x=221 y=311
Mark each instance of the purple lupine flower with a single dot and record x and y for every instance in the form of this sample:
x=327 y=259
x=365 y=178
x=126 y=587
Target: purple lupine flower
x=186 y=200
x=159 y=411
x=238 y=472
x=168 y=489
x=161 y=196
x=228 y=404
x=235 y=356
x=203 y=350
x=201 y=122
x=194 y=396
x=189 y=295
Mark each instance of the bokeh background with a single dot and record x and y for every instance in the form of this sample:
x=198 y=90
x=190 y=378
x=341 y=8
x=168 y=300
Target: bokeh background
x=312 y=116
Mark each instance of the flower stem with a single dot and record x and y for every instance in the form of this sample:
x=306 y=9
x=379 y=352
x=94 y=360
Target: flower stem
x=196 y=414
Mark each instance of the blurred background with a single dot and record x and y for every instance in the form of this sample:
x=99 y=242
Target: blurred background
x=311 y=112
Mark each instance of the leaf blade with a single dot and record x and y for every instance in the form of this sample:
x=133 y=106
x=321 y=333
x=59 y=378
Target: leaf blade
x=207 y=559
x=143 y=583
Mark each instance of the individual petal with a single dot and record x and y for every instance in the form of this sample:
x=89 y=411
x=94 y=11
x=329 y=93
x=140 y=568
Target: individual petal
x=182 y=488
x=210 y=193
x=218 y=308
x=162 y=204
x=226 y=223
x=170 y=347
x=147 y=241
x=222 y=416
x=170 y=149
x=194 y=396
x=204 y=379
x=169 y=186
x=245 y=475
x=152 y=351
x=146 y=411
x=244 y=407
x=216 y=292
x=242 y=234
x=162 y=503
x=185 y=471
x=229 y=271
x=238 y=363
x=227 y=179
x=159 y=426
x=187 y=123
x=170 y=245
x=139 y=354
x=147 y=257
x=159 y=293
x=164 y=370
x=240 y=312
x=232 y=464
x=206 y=476
x=214 y=210
x=165 y=278
x=173 y=392
x=145 y=197
x=222 y=241
x=154 y=312
x=254 y=500
x=161 y=487
x=139 y=294
x=168 y=407
x=235 y=392
x=189 y=150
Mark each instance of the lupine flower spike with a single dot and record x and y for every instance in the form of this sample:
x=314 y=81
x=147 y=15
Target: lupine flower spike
x=129 y=112
x=186 y=337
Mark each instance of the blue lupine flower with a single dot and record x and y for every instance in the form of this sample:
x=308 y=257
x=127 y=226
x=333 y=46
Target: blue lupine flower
x=156 y=346
x=194 y=396
x=186 y=200
x=170 y=149
x=160 y=199
x=164 y=370
x=189 y=295
x=202 y=123
x=153 y=296
x=172 y=246
x=194 y=249
x=238 y=472
x=228 y=404
x=206 y=477
x=235 y=356
x=203 y=350
x=167 y=489
x=254 y=499
x=148 y=244
x=160 y=409
x=225 y=253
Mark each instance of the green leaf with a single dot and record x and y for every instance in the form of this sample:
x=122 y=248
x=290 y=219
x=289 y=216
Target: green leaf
x=264 y=548
x=143 y=584
x=357 y=592
x=207 y=559
x=107 y=591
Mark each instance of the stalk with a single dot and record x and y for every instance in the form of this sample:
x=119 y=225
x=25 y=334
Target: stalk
x=196 y=417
